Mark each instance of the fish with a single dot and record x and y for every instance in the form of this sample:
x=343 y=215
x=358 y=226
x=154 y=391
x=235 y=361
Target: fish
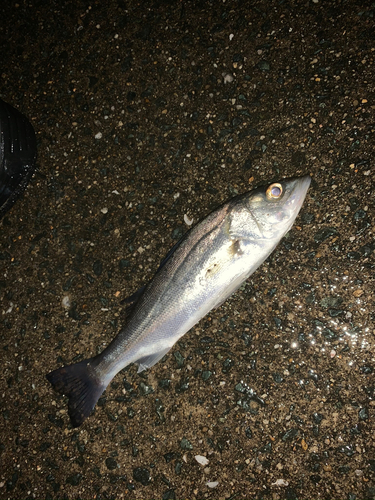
x=202 y=270
x=18 y=154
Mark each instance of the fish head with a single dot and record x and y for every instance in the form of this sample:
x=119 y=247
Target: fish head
x=274 y=208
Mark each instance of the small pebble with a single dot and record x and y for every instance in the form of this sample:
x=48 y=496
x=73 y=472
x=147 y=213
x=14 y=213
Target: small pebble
x=212 y=484
x=228 y=78
x=66 y=302
x=201 y=459
x=185 y=444
x=188 y=221
x=280 y=482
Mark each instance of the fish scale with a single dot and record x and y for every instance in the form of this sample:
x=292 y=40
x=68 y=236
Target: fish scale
x=209 y=264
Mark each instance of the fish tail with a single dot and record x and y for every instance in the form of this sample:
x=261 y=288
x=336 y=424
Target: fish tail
x=80 y=384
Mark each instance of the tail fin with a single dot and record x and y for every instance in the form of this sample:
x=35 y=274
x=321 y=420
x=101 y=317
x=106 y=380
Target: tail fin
x=82 y=387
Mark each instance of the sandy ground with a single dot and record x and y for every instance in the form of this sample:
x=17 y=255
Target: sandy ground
x=147 y=112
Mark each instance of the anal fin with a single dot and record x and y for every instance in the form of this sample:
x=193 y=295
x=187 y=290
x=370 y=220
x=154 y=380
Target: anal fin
x=151 y=359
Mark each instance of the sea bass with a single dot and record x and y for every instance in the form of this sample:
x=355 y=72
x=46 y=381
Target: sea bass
x=209 y=263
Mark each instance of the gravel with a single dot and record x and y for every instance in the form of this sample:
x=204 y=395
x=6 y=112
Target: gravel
x=148 y=116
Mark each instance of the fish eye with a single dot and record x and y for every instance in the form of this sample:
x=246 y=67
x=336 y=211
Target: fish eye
x=274 y=191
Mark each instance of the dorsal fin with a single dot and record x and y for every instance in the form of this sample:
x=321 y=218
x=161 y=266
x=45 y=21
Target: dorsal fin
x=132 y=300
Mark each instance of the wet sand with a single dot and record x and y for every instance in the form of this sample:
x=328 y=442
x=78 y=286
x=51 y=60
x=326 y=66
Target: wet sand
x=147 y=117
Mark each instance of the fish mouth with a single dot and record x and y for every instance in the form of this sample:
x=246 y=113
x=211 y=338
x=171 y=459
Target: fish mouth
x=298 y=194
x=303 y=184
x=278 y=216
x=289 y=208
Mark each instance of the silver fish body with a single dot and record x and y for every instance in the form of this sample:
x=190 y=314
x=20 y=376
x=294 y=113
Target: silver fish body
x=209 y=264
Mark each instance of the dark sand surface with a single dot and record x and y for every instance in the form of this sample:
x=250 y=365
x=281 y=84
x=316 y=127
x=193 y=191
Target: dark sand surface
x=150 y=114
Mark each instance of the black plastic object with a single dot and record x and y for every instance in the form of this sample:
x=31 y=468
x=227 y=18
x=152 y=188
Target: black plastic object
x=17 y=155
